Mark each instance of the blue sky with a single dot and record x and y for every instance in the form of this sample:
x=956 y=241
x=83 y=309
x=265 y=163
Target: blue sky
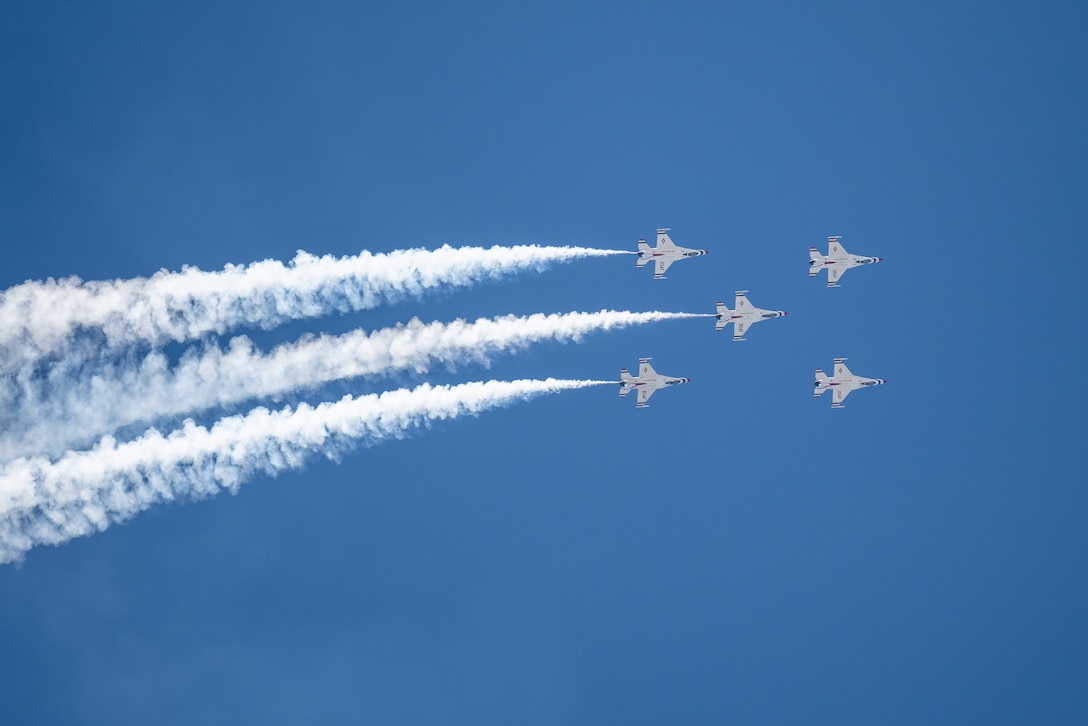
x=736 y=553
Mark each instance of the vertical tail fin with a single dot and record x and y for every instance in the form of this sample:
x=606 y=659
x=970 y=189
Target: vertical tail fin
x=815 y=262
x=643 y=253
x=822 y=383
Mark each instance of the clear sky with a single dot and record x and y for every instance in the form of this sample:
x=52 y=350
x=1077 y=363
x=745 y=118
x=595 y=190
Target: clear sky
x=736 y=553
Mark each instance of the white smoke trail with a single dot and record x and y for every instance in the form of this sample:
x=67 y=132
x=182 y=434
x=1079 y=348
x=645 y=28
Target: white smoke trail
x=37 y=319
x=74 y=405
x=43 y=502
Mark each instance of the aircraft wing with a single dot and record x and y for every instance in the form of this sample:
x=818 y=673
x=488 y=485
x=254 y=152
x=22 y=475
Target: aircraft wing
x=644 y=394
x=838 y=396
x=645 y=369
x=738 y=329
x=833 y=274
x=663 y=240
x=662 y=265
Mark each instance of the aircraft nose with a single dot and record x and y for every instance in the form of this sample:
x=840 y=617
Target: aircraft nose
x=785 y=312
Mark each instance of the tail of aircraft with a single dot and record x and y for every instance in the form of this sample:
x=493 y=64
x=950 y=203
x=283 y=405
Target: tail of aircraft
x=625 y=382
x=822 y=383
x=815 y=262
x=723 y=313
x=643 y=253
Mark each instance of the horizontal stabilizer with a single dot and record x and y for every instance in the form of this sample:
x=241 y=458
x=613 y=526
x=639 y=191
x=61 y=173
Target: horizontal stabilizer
x=723 y=316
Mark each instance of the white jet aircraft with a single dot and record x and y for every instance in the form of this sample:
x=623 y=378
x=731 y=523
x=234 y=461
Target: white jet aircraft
x=837 y=262
x=647 y=382
x=842 y=384
x=744 y=316
x=664 y=254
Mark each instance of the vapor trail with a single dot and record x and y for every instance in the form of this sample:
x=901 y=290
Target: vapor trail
x=75 y=405
x=43 y=502
x=37 y=319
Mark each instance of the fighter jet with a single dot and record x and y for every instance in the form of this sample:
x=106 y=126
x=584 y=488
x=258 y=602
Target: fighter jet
x=664 y=254
x=843 y=382
x=647 y=382
x=837 y=261
x=744 y=316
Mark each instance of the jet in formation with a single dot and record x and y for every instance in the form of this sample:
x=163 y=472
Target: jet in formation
x=664 y=254
x=745 y=315
x=646 y=383
x=842 y=383
x=837 y=261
